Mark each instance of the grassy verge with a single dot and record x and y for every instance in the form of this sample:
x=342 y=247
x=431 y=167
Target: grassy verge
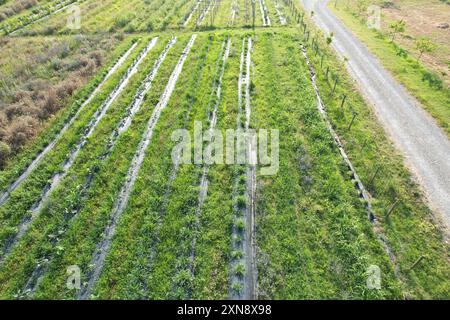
x=420 y=82
x=411 y=230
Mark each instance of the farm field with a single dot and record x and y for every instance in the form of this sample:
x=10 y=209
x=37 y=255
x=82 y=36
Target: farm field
x=100 y=185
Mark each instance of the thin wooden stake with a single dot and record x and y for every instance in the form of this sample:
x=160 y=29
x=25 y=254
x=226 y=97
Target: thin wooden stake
x=392 y=208
x=351 y=122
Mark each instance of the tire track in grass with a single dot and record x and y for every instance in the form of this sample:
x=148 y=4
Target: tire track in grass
x=57 y=177
x=204 y=178
x=102 y=248
x=363 y=193
x=134 y=107
x=13 y=186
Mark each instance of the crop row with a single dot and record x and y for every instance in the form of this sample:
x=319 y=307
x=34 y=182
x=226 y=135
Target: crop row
x=313 y=237
x=8 y=9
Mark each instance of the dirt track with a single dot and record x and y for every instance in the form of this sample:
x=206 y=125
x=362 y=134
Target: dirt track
x=423 y=144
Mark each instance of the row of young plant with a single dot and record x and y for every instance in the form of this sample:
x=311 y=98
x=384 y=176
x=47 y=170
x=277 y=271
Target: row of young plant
x=65 y=200
x=238 y=258
x=222 y=14
x=412 y=231
x=314 y=239
x=190 y=13
x=280 y=11
x=199 y=236
x=33 y=15
x=26 y=197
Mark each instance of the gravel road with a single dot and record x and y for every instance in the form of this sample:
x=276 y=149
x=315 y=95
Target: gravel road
x=423 y=144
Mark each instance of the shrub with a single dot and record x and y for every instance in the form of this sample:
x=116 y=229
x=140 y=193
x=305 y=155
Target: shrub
x=97 y=56
x=21 y=129
x=14 y=110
